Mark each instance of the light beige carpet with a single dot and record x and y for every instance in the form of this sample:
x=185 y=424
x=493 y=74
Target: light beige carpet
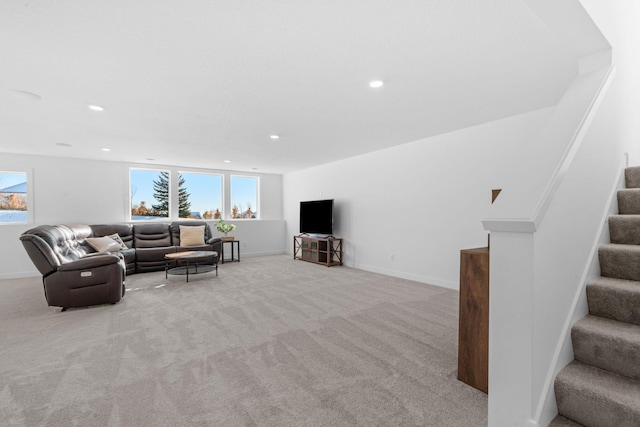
x=270 y=342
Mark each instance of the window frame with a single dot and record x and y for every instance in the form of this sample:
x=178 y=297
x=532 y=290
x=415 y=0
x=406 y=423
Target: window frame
x=169 y=192
x=30 y=199
x=231 y=205
x=221 y=189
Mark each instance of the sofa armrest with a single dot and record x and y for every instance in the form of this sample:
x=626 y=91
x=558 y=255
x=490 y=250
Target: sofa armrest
x=89 y=262
x=213 y=240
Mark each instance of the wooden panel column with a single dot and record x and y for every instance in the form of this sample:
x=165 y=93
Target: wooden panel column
x=473 y=332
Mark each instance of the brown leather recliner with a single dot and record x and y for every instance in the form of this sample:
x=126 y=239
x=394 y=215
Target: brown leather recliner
x=71 y=277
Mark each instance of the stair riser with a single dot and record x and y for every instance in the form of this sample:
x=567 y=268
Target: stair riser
x=591 y=408
x=561 y=421
x=616 y=304
x=625 y=229
x=629 y=202
x=607 y=352
x=602 y=386
x=619 y=263
x=632 y=177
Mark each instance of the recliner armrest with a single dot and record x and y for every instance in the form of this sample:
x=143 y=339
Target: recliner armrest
x=89 y=262
x=213 y=240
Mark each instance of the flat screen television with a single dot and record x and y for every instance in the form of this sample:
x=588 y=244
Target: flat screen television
x=316 y=217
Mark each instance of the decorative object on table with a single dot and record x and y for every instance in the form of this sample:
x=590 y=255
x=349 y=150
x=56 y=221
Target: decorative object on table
x=225 y=228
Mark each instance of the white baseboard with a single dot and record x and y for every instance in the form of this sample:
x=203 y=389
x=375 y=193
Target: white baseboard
x=264 y=253
x=408 y=276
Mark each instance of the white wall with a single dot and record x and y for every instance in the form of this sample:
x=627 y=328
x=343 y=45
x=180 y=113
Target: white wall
x=618 y=125
x=420 y=202
x=587 y=196
x=534 y=306
x=74 y=191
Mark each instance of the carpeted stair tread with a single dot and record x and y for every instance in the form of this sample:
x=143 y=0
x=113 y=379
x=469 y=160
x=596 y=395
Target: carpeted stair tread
x=607 y=344
x=632 y=177
x=624 y=229
x=629 y=201
x=615 y=299
x=601 y=387
x=595 y=397
x=620 y=261
x=561 y=421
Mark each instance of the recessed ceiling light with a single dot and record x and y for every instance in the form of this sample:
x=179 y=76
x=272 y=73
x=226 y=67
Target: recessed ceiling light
x=106 y=149
x=227 y=161
x=254 y=169
x=376 y=83
x=63 y=144
x=150 y=159
x=96 y=108
x=23 y=94
x=274 y=136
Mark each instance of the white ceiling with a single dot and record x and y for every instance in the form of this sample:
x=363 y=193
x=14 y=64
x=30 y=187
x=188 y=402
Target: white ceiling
x=196 y=82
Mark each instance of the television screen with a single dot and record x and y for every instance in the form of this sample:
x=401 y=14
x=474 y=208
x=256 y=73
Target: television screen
x=316 y=217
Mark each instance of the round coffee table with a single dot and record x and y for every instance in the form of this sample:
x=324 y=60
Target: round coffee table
x=193 y=263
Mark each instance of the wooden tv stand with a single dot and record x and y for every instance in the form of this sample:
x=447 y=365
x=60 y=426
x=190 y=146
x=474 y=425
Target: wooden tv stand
x=320 y=250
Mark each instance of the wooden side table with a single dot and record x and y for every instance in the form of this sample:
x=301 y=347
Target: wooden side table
x=235 y=248
x=473 y=331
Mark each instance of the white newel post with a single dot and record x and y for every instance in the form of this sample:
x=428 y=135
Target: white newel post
x=511 y=328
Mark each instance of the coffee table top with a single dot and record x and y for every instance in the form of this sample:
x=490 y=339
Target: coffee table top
x=190 y=254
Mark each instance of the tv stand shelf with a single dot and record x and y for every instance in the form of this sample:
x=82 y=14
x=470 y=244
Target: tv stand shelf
x=320 y=250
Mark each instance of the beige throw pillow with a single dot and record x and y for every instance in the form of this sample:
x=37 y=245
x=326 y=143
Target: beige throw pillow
x=191 y=235
x=118 y=239
x=103 y=244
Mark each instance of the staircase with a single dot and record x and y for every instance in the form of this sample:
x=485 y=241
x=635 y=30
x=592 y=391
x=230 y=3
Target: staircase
x=601 y=387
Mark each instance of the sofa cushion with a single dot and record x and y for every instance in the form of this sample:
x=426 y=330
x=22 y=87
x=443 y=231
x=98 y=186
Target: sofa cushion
x=204 y=247
x=153 y=254
x=67 y=247
x=151 y=235
x=129 y=256
x=125 y=231
x=39 y=243
x=175 y=230
x=191 y=235
x=152 y=259
x=103 y=244
x=116 y=237
x=75 y=241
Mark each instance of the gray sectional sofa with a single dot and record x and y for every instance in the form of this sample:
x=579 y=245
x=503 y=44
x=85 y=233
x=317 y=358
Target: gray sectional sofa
x=84 y=265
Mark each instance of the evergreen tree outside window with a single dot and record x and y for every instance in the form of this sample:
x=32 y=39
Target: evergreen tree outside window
x=149 y=196
x=203 y=193
x=161 y=194
x=184 y=206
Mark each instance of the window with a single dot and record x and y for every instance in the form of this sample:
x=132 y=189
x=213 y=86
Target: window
x=149 y=193
x=163 y=194
x=199 y=195
x=244 y=197
x=13 y=197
